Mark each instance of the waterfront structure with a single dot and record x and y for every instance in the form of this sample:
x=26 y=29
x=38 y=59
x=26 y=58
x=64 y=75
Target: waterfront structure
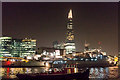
x=28 y=47
x=5 y=46
x=51 y=53
x=70 y=43
x=17 y=47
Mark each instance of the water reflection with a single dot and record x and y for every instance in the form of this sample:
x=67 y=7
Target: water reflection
x=113 y=72
x=108 y=72
x=11 y=72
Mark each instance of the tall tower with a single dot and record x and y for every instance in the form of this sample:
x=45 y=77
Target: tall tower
x=70 y=43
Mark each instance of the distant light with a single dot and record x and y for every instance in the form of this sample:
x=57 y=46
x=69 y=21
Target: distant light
x=74 y=58
x=73 y=54
x=57 y=52
x=86 y=59
x=13 y=60
x=70 y=14
x=91 y=59
x=58 y=56
x=95 y=59
x=28 y=57
x=81 y=58
x=50 y=69
x=110 y=61
x=47 y=64
x=46 y=58
x=75 y=70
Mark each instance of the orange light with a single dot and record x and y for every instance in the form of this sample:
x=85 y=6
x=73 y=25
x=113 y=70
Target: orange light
x=116 y=59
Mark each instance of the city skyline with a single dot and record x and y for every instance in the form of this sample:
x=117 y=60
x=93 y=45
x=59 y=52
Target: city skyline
x=47 y=22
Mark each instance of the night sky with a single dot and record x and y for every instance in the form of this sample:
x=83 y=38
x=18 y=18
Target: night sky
x=47 y=22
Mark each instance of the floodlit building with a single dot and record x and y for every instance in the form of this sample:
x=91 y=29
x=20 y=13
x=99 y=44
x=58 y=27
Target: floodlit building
x=51 y=52
x=70 y=43
x=17 y=47
x=28 y=47
x=5 y=46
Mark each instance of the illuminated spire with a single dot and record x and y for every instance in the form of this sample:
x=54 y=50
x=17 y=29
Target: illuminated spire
x=70 y=14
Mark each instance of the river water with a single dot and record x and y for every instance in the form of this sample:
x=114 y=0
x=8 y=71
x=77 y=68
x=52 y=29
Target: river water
x=106 y=72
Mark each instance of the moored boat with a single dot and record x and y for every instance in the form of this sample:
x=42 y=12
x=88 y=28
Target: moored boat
x=61 y=75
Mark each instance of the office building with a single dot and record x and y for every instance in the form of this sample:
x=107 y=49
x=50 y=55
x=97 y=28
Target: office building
x=28 y=47
x=5 y=46
x=17 y=47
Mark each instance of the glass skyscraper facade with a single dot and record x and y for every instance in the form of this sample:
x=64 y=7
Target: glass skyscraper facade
x=70 y=43
x=28 y=47
x=17 y=47
x=5 y=46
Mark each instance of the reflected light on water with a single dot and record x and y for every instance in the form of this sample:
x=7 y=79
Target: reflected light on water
x=107 y=72
x=113 y=71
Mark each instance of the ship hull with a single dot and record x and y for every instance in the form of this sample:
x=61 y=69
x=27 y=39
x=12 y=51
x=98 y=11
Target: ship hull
x=82 y=76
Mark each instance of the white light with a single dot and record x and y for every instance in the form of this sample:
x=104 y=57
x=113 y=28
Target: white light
x=57 y=52
x=35 y=57
x=86 y=59
x=58 y=56
x=92 y=59
x=50 y=69
x=47 y=64
x=110 y=61
x=28 y=57
x=81 y=58
x=75 y=70
x=52 y=54
x=70 y=14
x=38 y=55
x=70 y=47
x=73 y=54
x=44 y=52
x=12 y=60
x=95 y=59
x=46 y=58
